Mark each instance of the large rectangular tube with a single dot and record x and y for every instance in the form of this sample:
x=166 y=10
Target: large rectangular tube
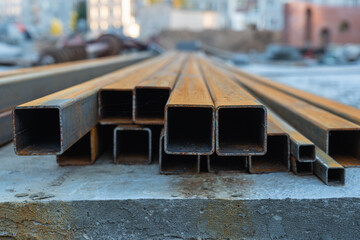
x=151 y=95
x=177 y=164
x=132 y=145
x=190 y=115
x=52 y=124
x=336 y=136
x=277 y=157
x=116 y=99
x=240 y=118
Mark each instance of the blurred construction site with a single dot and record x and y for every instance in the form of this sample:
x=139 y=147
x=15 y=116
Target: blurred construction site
x=40 y=32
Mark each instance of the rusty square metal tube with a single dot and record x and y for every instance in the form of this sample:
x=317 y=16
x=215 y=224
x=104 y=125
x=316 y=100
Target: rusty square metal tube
x=177 y=164
x=240 y=118
x=132 y=145
x=235 y=164
x=301 y=168
x=190 y=115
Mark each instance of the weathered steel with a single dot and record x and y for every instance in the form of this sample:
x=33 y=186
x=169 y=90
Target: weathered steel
x=328 y=170
x=52 y=124
x=83 y=152
x=21 y=88
x=350 y=113
x=301 y=147
x=216 y=163
x=151 y=95
x=240 y=118
x=301 y=168
x=5 y=127
x=336 y=136
x=190 y=115
x=132 y=145
x=277 y=157
x=116 y=99
x=177 y=164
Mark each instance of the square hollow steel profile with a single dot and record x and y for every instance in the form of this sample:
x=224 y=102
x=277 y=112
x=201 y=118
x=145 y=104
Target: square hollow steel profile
x=189 y=130
x=344 y=147
x=132 y=145
x=307 y=152
x=115 y=106
x=241 y=131
x=227 y=163
x=37 y=131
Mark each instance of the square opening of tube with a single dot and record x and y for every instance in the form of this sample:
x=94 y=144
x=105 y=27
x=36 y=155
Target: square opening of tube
x=150 y=104
x=304 y=167
x=336 y=176
x=77 y=154
x=276 y=158
x=227 y=163
x=190 y=130
x=132 y=146
x=242 y=131
x=307 y=152
x=37 y=131
x=115 y=104
x=344 y=147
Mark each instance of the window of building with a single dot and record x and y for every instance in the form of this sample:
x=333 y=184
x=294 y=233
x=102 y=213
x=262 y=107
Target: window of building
x=344 y=27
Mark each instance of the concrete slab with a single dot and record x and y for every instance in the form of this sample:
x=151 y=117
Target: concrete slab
x=135 y=202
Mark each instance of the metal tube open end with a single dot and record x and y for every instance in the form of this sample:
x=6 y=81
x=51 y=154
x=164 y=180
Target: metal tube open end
x=336 y=176
x=301 y=168
x=37 y=131
x=307 y=153
x=150 y=104
x=115 y=107
x=132 y=145
x=227 y=163
x=189 y=130
x=241 y=131
x=344 y=147
x=177 y=164
x=276 y=159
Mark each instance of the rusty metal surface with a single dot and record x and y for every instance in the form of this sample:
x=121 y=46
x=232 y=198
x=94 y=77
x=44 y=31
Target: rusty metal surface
x=52 y=124
x=240 y=118
x=236 y=164
x=5 y=127
x=301 y=168
x=116 y=99
x=170 y=164
x=350 y=113
x=132 y=145
x=21 y=88
x=301 y=147
x=336 y=136
x=190 y=115
x=277 y=157
x=83 y=152
x=328 y=170
x=151 y=95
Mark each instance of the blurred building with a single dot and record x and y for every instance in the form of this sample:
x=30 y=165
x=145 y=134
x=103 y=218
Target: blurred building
x=316 y=26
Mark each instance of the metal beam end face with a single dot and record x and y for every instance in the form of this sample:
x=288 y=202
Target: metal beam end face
x=78 y=154
x=302 y=168
x=189 y=130
x=307 y=153
x=150 y=104
x=227 y=163
x=336 y=177
x=241 y=131
x=132 y=146
x=344 y=147
x=115 y=106
x=37 y=131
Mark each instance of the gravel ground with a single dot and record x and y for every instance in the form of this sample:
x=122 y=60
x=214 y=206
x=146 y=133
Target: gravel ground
x=340 y=83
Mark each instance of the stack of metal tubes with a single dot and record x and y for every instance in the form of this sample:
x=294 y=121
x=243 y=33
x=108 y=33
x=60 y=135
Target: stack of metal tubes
x=192 y=114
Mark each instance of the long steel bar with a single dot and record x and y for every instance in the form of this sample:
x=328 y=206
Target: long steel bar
x=52 y=124
x=350 y=113
x=216 y=163
x=328 y=170
x=83 y=152
x=177 y=164
x=19 y=89
x=334 y=135
x=277 y=157
x=190 y=115
x=151 y=95
x=132 y=145
x=116 y=99
x=240 y=118
x=5 y=127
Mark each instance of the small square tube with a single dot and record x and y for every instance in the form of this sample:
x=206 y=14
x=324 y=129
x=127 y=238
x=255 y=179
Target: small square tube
x=115 y=106
x=227 y=163
x=307 y=152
